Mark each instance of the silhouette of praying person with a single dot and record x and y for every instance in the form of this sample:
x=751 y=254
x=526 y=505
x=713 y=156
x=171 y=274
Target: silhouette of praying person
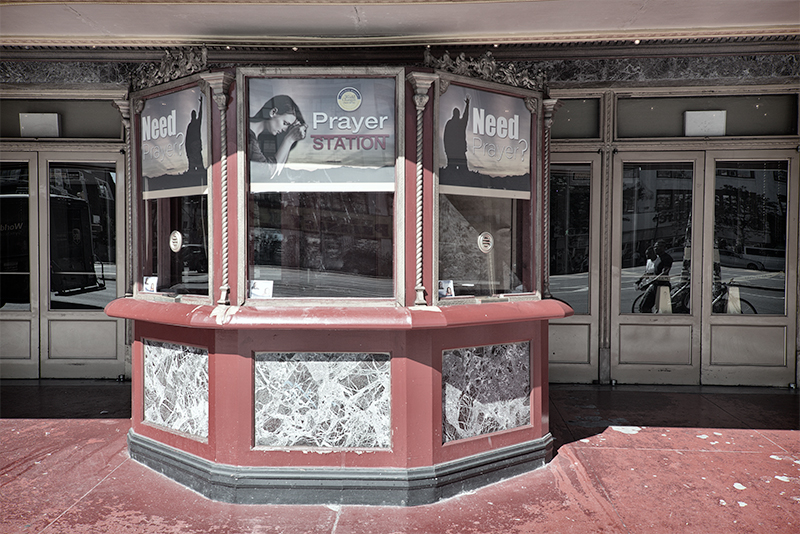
x=455 y=138
x=194 y=141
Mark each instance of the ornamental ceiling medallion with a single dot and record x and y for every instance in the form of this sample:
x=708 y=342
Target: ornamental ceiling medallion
x=487 y=68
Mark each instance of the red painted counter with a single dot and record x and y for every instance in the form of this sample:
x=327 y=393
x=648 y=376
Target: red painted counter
x=419 y=466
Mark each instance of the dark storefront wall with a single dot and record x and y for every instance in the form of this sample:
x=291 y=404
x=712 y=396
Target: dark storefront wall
x=590 y=163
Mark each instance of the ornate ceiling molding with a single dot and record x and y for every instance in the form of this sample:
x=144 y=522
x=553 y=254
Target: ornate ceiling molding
x=488 y=69
x=175 y=64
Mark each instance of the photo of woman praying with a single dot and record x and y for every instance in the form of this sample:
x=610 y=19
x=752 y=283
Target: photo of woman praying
x=274 y=131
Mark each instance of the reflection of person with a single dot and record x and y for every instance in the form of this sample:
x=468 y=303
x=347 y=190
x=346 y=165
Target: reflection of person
x=649 y=269
x=661 y=266
x=274 y=131
x=194 y=141
x=455 y=137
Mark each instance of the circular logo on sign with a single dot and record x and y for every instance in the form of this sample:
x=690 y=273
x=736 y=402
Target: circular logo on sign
x=485 y=242
x=349 y=99
x=175 y=241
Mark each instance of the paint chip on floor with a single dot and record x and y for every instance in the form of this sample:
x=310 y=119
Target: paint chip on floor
x=627 y=429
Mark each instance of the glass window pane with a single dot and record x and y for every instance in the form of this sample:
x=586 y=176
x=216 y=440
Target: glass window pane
x=322 y=244
x=656 y=237
x=750 y=231
x=480 y=246
x=746 y=115
x=178 y=253
x=15 y=276
x=577 y=119
x=95 y=119
x=83 y=270
x=570 y=209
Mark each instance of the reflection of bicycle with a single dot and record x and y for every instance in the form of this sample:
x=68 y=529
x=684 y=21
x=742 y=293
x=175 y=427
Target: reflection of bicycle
x=723 y=301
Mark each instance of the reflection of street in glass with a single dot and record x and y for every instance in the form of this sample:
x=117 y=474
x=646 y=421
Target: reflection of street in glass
x=763 y=291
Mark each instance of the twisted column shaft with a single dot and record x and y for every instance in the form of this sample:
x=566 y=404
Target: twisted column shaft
x=421 y=83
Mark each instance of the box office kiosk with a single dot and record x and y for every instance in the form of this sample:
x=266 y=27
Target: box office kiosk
x=340 y=288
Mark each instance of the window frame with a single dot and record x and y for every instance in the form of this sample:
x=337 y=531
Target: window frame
x=533 y=268
x=243 y=75
x=143 y=230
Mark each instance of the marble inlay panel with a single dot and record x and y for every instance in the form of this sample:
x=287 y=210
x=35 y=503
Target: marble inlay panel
x=340 y=400
x=176 y=387
x=485 y=389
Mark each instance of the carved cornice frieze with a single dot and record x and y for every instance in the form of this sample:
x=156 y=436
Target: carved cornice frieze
x=487 y=68
x=175 y=64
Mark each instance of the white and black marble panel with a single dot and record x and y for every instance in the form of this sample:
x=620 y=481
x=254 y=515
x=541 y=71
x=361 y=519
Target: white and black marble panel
x=176 y=387
x=485 y=389
x=323 y=400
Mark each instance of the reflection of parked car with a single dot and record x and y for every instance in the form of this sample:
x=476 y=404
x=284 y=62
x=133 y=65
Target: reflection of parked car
x=771 y=259
x=194 y=258
x=728 y=258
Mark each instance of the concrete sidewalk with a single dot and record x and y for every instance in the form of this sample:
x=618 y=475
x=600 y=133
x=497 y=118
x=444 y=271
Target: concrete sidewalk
x=628 y=459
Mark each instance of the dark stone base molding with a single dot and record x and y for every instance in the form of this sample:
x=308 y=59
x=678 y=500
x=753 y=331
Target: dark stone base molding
x=326 y=485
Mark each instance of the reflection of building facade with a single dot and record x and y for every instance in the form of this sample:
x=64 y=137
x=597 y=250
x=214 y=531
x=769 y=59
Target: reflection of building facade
x=624 y=173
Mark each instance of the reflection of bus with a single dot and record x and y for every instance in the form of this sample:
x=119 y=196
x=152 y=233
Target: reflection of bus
x=71 y=247
x=14 y=248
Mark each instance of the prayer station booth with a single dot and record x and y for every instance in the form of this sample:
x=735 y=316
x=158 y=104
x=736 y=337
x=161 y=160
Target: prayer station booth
x=340 y=289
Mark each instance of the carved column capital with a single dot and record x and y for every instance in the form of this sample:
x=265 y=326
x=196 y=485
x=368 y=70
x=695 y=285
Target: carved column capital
x=550 y=105
x=220 y=83
x=421 y=82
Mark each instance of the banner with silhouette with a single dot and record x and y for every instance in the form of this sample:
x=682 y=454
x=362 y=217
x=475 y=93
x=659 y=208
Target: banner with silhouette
x=173 y=132
x=484 y=143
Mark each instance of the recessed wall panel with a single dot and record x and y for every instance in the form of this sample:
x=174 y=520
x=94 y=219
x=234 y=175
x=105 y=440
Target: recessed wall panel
x=15 y=340
x=83 y=340
x=569 y=343
x=763 y=346
x=655 y=344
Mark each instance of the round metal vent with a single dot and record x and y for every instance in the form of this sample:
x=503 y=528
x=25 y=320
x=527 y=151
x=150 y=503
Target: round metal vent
x=485 y=242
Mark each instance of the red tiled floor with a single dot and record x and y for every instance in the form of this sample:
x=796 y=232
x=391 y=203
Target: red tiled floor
x=618 y=469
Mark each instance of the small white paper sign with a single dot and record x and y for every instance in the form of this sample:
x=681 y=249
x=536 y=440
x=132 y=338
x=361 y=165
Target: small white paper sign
x=704 y=123
x=150 y=284
x=261 y=289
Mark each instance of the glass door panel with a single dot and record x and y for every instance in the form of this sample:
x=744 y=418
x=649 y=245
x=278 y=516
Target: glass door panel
x=83 y=269
x=655 y=309
x=80 y=263
x=570 y=223
x=575 y=257
x=19 y=260
x=15 y=261
x=750 y=236
x=749 y=319
x=656 y=237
